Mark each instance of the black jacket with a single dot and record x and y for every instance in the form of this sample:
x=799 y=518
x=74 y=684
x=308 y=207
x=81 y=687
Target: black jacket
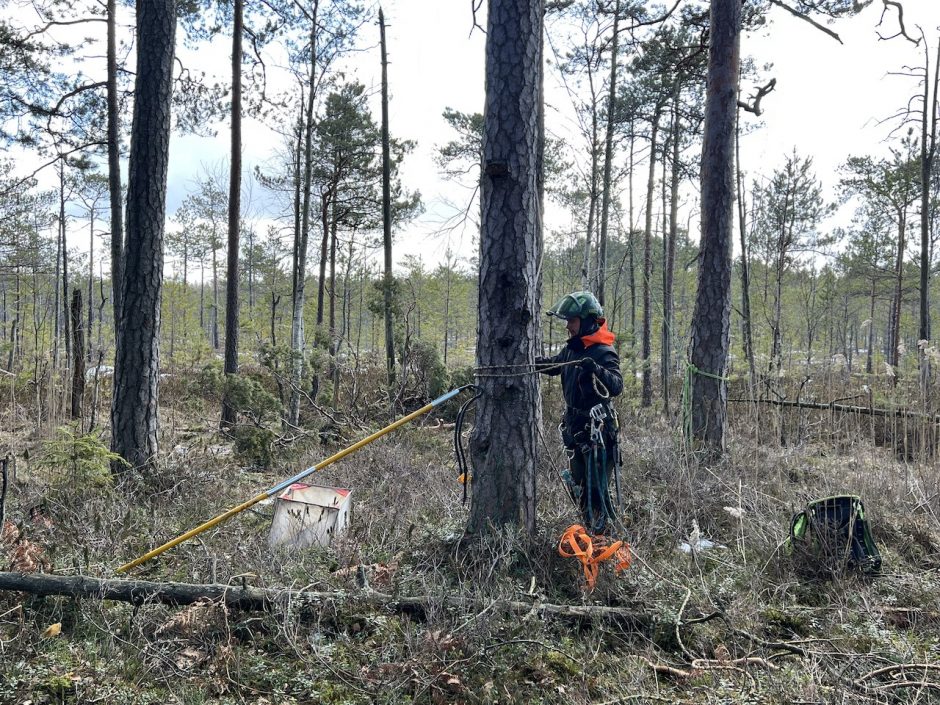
x=577 y=385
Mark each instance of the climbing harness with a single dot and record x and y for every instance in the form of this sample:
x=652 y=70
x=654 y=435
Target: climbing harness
x=576 y=542
x=593 y=451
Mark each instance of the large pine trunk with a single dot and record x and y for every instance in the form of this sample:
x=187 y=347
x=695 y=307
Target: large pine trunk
x=712 y=316
x=137 y=357
x=503 y=445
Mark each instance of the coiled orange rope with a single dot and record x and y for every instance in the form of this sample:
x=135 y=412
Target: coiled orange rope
x=576 y=542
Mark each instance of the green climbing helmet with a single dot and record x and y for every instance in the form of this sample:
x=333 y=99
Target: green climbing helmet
x=580 y=304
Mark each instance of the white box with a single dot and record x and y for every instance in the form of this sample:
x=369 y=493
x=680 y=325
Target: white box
x=309 y=515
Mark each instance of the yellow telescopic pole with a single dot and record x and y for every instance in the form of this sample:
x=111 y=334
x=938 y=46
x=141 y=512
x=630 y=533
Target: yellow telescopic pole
x=288 y=482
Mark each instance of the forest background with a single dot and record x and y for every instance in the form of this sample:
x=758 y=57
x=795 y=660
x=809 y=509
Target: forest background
x=803 y=125
x=831 y=378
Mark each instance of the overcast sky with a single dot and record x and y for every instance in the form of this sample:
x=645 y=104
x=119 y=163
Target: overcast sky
x=828 y=101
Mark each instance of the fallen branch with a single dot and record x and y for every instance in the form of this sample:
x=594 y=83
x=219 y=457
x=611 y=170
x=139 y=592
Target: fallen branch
x=920 y=685
x=665 y=670
x=898 y=667
x=254 y=598
x=909 y=616
x=704 y=664
x=844 y=408
x=779 y=645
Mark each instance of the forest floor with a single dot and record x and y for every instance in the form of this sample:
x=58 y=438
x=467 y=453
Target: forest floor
x=741 y=622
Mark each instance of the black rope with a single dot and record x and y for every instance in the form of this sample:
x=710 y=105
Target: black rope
x=596 y=458
x=590 y=459
x=3 y=489
x=463 y=466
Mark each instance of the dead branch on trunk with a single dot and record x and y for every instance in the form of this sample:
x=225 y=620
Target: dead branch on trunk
x=754 y=105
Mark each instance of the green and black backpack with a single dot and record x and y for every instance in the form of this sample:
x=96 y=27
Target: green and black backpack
x=833 y=533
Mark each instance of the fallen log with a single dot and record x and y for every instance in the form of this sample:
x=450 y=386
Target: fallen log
x=844 y=408
x=254 y=598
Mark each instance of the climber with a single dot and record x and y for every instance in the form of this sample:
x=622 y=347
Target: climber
x=590 y=426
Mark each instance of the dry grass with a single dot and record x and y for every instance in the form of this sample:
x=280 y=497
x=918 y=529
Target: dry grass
x=734 y=624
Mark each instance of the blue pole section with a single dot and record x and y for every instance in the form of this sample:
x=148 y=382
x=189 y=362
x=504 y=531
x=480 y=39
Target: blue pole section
x=365 y=441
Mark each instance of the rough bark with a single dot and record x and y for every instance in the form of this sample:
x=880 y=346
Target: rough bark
x=298 y=185
x=137 y=357
x=234 y=213
x=331 y=329
x=503 y=445
x=712 y=315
